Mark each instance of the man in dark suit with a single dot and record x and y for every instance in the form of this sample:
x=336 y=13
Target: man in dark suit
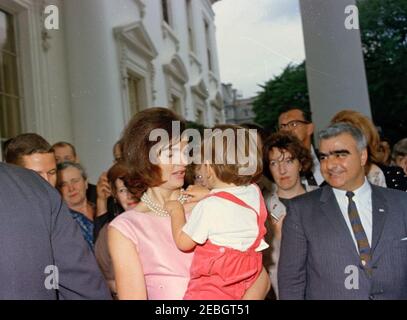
x=43 y=254
x=347 y=240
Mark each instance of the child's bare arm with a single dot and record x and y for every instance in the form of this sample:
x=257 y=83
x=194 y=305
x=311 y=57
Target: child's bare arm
x=196 y=193
x=260 y=288
x=182 y=240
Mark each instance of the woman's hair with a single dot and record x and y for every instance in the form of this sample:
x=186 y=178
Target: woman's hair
x=67 y=164
x=286 y=141
x=233 y=138
x=118 y=171
x=136 y=145
x=400 y=149
x=376 y=153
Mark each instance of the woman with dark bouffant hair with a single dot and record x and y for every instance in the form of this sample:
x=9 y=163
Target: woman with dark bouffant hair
x=146 y=261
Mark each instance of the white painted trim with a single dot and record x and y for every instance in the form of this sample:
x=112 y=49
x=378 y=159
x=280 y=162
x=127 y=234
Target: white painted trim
x=169 y=33
x=136 y=51
x=142 y=7
x=36 y=111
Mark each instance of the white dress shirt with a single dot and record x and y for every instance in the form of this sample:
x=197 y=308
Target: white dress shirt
x=363 y=201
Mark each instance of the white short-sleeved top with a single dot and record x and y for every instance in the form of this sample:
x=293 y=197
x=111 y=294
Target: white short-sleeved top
x=225 y=223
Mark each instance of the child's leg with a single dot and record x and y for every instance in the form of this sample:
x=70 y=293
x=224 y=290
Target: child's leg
x=260 y=288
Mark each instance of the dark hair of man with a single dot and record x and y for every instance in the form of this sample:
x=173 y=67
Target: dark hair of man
x=307 y=114
x=62 y=144
x=25 y=145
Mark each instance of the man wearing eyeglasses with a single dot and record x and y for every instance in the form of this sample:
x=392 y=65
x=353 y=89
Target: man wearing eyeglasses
x=299 y=123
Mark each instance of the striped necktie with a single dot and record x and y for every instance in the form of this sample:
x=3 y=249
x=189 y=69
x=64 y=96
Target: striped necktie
x=359 y=232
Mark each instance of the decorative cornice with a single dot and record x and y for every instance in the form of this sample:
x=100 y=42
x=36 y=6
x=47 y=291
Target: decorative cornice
x=217 y=101
x=135 y=36
x=177 y=69
x=200 y=90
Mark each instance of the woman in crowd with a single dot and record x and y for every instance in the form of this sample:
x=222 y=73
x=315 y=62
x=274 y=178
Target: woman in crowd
x=376 y=171
x=286 y=159
x=399 y=155
x=146 y=261
x=124 y=201
x=72 y=183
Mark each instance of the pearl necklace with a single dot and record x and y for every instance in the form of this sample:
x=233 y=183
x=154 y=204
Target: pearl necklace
x=156 y=208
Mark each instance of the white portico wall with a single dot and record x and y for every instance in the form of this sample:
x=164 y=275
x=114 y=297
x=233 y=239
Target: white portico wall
x=334 y=61
x=107 y=41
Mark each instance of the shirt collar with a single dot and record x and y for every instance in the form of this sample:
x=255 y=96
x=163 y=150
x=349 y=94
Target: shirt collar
x=363 y=191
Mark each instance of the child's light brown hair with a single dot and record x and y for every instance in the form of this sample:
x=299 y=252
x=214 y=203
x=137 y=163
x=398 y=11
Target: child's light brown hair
x=231 y=172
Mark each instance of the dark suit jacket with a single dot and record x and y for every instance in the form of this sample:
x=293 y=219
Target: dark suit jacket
x=317 y=247
x=37 y=231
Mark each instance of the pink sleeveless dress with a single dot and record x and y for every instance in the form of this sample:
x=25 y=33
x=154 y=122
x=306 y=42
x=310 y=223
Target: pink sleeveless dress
x=166 y=268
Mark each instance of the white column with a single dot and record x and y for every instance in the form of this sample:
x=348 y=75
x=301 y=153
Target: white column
x=94 y=80
x=334 y=60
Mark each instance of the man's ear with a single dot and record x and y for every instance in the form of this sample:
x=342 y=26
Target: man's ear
x=310 y=129
x=363 y=157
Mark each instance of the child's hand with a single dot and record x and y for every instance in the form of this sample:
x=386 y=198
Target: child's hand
x=196 y=193
x=173 y=206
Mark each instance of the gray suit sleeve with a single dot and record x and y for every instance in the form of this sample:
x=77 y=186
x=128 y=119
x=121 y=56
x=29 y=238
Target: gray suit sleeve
x=293 y=257
x=79 y=275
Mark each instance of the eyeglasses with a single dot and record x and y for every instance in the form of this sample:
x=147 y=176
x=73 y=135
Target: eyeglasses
x=292 y=124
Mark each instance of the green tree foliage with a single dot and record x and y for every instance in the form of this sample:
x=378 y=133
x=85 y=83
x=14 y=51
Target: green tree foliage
x=290 y=87
x=383 y=26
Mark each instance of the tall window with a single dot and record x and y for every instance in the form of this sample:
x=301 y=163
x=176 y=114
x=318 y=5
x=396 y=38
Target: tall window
x=190 y=25
x=166 y=11
x=10 y=122
x=208 y=45
x=200 y=117
x=176 y=104
x=134 y=94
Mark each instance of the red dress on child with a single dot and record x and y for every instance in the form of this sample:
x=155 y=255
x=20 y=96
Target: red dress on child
x=222 y=273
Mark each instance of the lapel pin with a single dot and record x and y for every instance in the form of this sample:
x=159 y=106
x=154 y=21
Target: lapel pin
x=381 y=210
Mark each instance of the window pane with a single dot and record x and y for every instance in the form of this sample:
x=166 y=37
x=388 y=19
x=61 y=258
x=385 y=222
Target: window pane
x=134 y=100
x=166 y=14
x=7 y=37
x=10 y=117
x=3 y=119
x=10 y=74
x=10 y=122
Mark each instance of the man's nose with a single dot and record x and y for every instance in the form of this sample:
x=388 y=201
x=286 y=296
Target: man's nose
x=331 y=162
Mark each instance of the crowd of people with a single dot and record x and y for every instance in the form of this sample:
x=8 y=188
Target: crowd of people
x=292 y=229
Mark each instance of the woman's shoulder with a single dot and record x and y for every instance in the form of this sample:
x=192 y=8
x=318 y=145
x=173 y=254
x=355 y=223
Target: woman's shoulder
x=129 y=217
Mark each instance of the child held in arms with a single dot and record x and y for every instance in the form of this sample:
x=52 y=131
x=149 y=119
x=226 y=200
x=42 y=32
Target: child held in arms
x=226 y=227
